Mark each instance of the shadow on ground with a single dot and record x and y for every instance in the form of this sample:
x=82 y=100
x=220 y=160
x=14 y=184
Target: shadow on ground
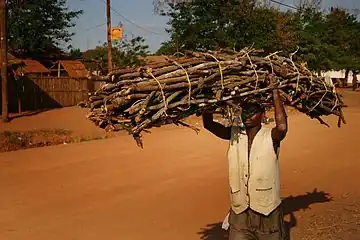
x=290 y=205
x=28 y=113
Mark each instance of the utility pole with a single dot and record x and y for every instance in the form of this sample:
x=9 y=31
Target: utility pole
x=108 y=15
x=3 y=60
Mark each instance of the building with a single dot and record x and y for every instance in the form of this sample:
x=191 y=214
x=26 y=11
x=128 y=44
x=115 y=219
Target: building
x=31 y=68
x=69 y=68
x=25 y=67
x=339 y=76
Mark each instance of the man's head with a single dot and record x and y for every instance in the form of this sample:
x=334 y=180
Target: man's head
x=252 y=114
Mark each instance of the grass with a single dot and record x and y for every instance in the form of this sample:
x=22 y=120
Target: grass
x=14 y=140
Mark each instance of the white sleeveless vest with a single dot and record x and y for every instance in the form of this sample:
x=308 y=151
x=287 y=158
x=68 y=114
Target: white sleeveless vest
x=255 y=180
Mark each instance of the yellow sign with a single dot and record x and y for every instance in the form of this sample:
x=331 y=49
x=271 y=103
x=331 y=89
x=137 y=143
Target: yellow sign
x=116 y=33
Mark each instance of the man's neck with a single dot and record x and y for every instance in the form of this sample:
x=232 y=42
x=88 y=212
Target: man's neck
x=251 y=132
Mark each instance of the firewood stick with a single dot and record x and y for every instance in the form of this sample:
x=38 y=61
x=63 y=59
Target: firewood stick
x=168 y=100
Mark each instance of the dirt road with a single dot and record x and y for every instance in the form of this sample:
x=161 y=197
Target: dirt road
x=176 y=188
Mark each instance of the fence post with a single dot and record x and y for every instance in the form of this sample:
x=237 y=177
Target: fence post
x=90 y=85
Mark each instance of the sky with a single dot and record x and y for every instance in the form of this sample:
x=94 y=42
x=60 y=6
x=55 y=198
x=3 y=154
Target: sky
x=138 y=19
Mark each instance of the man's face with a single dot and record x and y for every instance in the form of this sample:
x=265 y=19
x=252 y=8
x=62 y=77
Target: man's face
x=252 y=120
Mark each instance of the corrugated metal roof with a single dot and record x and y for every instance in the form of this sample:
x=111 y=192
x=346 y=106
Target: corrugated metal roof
x=32 y=66
x=11 y=57
x=74 y=68
x=12 y=60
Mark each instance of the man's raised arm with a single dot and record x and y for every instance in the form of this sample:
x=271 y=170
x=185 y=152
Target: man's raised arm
x=216 y=128
x=279 y=131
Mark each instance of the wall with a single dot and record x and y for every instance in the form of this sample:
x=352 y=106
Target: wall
x=35 y=93
x=340 y=75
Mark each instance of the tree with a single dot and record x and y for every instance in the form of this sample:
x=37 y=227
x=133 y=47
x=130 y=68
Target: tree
x=127 y=52
x=130 y=51
x=311 y=32
x=324 y=40
x=285 y=29
x=328 y=40
x=75 y=52
x=167 y=48
x=163 y=6
x=211 y=24
x=37 y=28
x=344 y=33
x=309 y=4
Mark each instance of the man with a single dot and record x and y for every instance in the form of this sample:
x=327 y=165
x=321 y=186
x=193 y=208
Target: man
x=254 y=179
x=354 y=81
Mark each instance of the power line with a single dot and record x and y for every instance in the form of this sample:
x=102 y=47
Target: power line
x=149 y=31
x=130 y=21
x=96 y=26
x=284 y=4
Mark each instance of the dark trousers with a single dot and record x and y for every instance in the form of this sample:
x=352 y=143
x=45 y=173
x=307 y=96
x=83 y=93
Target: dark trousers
x=250 y=225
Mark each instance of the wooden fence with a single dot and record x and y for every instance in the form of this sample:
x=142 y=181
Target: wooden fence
x=35 y=93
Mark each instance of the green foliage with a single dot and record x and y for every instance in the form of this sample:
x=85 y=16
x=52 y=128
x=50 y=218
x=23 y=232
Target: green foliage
x=212 y=24
x=75 y=52
x=344 y=33
x=311 y=33
x=167 y=48
x=37 y=28
x=325 y=40
x=328 y=40
x=127 y=52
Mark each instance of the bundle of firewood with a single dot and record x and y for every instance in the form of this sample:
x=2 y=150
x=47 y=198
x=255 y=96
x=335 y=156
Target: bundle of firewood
x=136 y=99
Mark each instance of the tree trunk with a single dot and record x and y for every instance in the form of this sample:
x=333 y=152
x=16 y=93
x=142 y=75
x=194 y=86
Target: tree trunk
x=354 y=81
x=345 y=80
